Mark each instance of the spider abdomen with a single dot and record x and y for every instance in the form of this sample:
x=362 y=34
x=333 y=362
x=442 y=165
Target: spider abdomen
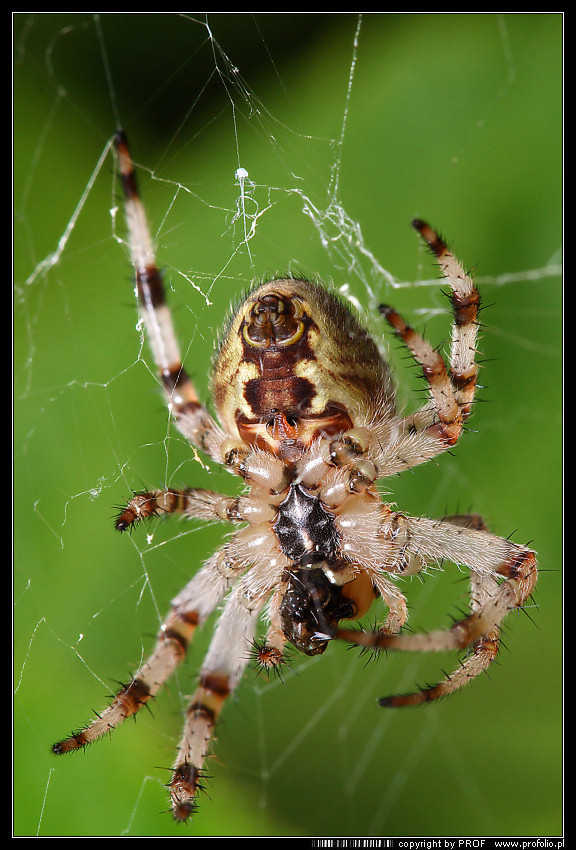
x=294 y=365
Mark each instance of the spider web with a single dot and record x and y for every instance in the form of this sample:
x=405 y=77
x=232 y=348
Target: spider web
x=270 y=144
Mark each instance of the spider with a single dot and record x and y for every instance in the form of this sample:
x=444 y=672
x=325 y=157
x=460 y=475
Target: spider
x=306 y=417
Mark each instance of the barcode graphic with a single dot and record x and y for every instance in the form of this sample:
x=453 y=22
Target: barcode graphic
x=352 y=842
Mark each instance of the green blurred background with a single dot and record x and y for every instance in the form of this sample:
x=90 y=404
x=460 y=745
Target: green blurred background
x=456 y=118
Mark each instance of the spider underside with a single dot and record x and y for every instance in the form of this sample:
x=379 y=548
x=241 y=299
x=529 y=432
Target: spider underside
x=306 y=416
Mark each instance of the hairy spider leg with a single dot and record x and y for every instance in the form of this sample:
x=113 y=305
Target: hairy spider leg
x=503 y=575
x=223 y=667
x=190 y=608
x=452 y=389
x=206 y=589
x=191 y=416
x=192 y=502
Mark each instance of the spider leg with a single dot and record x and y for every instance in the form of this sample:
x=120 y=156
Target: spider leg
x=465 y=300
x=191 y=416
x=445 y=408
x=502 y=577
x=222 y=670
x=189 y=609
x=484 y=651
x=192 y=502
x=438 y=425
x=269 y=653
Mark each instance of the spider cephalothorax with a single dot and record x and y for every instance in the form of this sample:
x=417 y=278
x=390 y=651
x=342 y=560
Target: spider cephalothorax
x=306 y=416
